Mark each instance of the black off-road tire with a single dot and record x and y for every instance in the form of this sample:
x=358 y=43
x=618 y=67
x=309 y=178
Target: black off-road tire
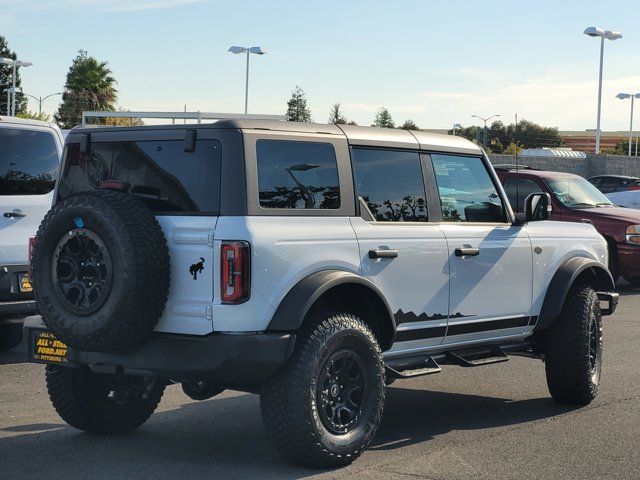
x=10 y=336
x=138 y=287
x=573 y=348
x=291 y=402
x=81 y=399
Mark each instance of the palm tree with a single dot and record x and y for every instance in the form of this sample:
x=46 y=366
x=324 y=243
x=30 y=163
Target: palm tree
x=89 y=86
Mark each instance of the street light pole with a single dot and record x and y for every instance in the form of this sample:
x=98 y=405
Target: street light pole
x=632 y=96
x=248 y=51
x=484 y=133
x=609 y=35
x=40 y=100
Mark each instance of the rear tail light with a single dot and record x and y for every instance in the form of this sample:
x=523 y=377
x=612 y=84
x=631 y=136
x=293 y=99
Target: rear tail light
x=235 y=272
x=634 y=187
x=32 y=244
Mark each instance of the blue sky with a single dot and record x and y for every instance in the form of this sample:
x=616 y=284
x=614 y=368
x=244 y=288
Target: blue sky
x=435 y=62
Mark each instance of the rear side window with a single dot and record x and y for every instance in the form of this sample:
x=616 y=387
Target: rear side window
x=28 y=162
x=391 y=183
x=297 y=175
x=160 y=173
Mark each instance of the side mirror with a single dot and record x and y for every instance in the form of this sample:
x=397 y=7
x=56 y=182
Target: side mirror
x=537 y=206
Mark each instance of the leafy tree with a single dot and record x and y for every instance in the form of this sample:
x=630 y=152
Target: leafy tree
x=512 y=149
x=122 y=122
x=409 y=125
x=34 y=116
x=335 y=115
x=622 y=147
x=6 y=80
x=297 y=110
x=383 y=119
x=89 y=86
x=526 y=135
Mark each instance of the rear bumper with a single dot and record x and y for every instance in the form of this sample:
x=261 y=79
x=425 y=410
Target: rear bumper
x=17 y=309
x=217 y=358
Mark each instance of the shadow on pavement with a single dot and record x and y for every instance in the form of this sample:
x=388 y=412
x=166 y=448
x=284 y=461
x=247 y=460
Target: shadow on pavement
x=17 y=355
x=224 y=438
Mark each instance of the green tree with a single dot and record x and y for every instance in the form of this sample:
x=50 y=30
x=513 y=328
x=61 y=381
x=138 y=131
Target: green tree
x=409 y=125
x=622 y=147
x=34 y=116
x=89 y=86
x=526 y=135
x=297 y=110
x=335 y=115
x=383 y=119
x=6 y=79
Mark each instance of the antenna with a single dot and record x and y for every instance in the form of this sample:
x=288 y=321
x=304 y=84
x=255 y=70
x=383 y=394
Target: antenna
x=515 y=138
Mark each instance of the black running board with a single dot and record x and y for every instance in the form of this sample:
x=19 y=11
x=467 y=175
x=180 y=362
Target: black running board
x=424 y=366
x=471 y=358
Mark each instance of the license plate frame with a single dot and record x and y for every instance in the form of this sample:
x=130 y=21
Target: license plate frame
x=46 y=348
x=24 y=283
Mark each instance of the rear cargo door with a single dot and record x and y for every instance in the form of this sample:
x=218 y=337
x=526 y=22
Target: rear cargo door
x=176 y=174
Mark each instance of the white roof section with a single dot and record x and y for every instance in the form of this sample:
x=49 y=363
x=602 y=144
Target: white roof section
x=556 y=152
x=25 y=121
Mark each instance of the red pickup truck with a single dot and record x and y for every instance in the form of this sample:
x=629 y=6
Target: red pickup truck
x=574 y=199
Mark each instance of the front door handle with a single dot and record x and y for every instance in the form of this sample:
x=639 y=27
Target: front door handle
x=14 y=214
x=382 y=253
x=467 y=252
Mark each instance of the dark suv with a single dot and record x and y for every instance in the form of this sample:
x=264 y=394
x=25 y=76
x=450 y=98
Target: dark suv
x=574 y=199
x=615 y=183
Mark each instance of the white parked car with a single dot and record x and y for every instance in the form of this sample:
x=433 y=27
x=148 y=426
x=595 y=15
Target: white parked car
x=628 y=198
x=29 y=158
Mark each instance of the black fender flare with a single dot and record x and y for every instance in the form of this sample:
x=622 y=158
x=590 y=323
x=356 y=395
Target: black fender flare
x=563 y=279
x=298 y=301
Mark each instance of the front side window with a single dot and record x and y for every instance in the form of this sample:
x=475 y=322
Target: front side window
x=576 y=192
x=28 y=162
x=391 y=183
x=518 y=189
x=297 y=175
x=160 y=173
x=467 y=193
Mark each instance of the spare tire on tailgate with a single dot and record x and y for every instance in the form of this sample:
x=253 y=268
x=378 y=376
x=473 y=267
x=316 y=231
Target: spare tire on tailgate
x=101 y=271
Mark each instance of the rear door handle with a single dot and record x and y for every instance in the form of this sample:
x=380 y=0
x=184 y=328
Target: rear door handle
x=14 y=214
x=382 y=253
x=467 y=252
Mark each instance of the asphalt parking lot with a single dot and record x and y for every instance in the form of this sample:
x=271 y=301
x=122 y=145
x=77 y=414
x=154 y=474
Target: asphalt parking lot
x=489 y=422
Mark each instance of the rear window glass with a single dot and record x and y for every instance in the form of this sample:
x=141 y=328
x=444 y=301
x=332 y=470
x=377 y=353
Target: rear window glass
x=28 y=162
x=160 y=173
x=297 y=175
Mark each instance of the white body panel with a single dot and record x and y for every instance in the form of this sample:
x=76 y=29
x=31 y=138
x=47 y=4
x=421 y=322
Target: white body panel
x=495 y=285
x=629 y=199
x=284 y=250
x=189 y=308
x=15 y=232
x=416 y=283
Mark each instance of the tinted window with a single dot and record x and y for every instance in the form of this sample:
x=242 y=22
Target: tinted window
x=160 y=173
x=518 y=189
x=391 y=183
x=467 y=193
x=297 y=175
x=28 y=162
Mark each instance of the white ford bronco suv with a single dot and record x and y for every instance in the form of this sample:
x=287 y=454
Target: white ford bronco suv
x=312 y=264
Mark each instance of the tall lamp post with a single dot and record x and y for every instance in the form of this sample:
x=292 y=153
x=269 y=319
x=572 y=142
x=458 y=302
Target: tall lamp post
x=484 y=132
x=248 y=51
x=15 y=64
x=40 y=100
x=632 y=96
x=609 y=35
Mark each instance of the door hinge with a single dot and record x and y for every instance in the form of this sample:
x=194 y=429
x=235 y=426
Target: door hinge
x=210 y=239
x=209 y=312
